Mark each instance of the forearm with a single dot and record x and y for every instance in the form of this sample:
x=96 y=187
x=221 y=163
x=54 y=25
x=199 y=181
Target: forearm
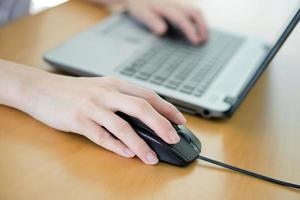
x=14 y=79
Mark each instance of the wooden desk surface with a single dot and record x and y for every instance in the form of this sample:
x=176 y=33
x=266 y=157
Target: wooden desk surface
x=37 y=162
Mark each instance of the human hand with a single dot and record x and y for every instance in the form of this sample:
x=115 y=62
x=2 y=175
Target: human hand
x=154 y=12
x=87 y=106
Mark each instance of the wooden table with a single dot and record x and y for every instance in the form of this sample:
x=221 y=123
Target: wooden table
x=38 y=162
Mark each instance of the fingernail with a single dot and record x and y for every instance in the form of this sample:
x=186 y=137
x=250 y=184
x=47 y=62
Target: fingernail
x=196 y=39
x=151 y=159
x=173 y=137
x=129 y=153
x=161 y=29
x=181 y=119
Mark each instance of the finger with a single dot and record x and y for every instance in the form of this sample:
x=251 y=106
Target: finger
x=181 y=20
x=143 y=110
x=198 y=19
x=102 y=137
x=122 y=130
x=163 y=107
x=153 y=21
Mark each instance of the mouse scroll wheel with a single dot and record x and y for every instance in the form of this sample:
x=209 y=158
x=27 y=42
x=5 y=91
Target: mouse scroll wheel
x=188 y=139
x=176 y=127
x=185 y=136
x=181 y=133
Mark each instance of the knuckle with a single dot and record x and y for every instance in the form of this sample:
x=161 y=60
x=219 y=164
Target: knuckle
x=114 y=81
x=99 y=90
x=95 y=89
x=87 y=102
x=122 y=126
x=169 y=127
x=76 y=118
x=142 y=105
x=180 y=19
x=165 y=125
x=171 y=109
x=85 y=99
x=141 y=148
x=151 y=96
x=102 y=138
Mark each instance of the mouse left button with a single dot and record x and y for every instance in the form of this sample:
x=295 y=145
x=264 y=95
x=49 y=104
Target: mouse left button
x=175 y=126
x=185 y=136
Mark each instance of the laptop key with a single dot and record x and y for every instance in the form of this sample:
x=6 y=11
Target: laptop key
x=188 y=89
x=166 y=70
x=177 y=65
x=143 y=75
x=199 y=93
x=157 y=80
x=200 y=89
x=128 y=71
x=172 y=84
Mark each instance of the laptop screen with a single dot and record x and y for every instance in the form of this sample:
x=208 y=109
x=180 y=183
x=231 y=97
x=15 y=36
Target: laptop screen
x=273 y=51
x=264 y=20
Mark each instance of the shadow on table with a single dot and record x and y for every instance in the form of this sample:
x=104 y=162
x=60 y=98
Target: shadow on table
x=116 y=176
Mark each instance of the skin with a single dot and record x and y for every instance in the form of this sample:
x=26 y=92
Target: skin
x=153 y=12
x=87 y=106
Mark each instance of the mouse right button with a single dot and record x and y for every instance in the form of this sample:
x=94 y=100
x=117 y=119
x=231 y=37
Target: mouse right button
x=186 y=133
x=185 y=136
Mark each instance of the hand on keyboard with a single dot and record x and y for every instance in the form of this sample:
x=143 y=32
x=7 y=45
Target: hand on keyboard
x=178 y=65
x=153 y=12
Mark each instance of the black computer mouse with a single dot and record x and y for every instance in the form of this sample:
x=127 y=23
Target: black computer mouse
x=180 y=154
x=173 y=31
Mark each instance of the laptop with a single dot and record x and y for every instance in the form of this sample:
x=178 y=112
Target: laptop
x=210 y=80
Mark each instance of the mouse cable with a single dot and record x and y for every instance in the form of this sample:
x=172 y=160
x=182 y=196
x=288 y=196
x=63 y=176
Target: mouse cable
x=249 y=173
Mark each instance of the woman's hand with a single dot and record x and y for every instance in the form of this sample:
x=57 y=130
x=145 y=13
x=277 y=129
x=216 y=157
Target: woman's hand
x=154 y=12
x=87 y=106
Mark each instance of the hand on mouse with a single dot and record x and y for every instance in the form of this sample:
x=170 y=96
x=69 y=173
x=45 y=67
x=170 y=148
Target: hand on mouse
x=153 y=12
x=87 y=106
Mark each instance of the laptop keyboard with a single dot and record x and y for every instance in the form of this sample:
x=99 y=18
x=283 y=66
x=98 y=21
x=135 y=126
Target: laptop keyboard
x=178 y=65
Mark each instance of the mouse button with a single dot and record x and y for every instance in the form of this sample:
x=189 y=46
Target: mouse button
x=166 y=154
x=185 y=136
x=173 y=32
x=186 y=133
x=186 y=150
x=181 y=132
x=136 y=123
x=149 y=135
x=175 y=126
x=164 y=151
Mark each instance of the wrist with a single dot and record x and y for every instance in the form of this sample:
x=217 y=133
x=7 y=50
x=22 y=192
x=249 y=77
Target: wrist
x=17 y=84
x=10 y=83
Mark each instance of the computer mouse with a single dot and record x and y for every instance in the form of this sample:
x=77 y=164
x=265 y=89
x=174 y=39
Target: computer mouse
x=181 y=154
x=173 y=31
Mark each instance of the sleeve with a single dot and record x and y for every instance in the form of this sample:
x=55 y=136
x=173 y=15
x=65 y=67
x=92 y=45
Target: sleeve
x=13 y=9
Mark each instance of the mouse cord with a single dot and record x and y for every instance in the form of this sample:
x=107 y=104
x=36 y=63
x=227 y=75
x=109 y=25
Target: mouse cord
x=249 y=173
